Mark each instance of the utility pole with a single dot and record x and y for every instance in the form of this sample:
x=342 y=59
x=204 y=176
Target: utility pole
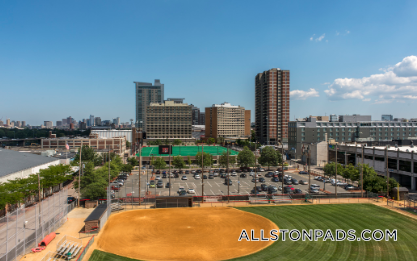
x=335 y=176
x=79 y=177
x=386 y=159
x=169 y=178
x=40 y=199
x=363 y=151
x=202 y=173
x=309 y=175
x=140 y=166
x=109 y=191
x=228 y=176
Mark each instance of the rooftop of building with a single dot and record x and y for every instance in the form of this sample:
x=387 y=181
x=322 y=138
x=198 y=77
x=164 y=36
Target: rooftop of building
x=390 y=148
x=168 y=103
x=13 y=161
x=226 y=105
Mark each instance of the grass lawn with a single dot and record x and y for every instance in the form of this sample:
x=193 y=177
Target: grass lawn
x=98 y=255
x=338 y=216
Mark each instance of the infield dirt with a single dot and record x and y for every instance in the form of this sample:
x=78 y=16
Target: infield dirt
x=183 y=234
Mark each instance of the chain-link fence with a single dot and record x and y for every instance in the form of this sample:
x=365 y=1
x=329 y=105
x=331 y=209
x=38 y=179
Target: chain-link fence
x=21 y=229
x=90 y=242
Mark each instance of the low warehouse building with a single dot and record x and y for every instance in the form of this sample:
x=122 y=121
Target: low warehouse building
x=16 y=164
x=97 y=218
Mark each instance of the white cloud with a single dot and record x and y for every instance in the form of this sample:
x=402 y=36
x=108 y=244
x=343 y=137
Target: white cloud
x=347 y=32
x=312 y=37
x=326 y=83
x=366 y=100
x=397 y=83
x=320 y=38
x=302 y=95
x=337 y=33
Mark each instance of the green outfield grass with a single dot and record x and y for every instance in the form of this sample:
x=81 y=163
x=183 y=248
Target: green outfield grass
x=185 y=151
x=98 y=255
x=338 y=216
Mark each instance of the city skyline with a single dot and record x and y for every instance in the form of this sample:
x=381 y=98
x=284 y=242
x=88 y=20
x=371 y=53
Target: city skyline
x=336 y=62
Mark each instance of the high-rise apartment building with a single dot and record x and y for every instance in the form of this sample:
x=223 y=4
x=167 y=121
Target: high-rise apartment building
x=333 y=118
x=272 y=106
x=387 y=117
x=146 y=93
x=168 y=120
x=227 y=121
x=58 y=123
x=23 y=124
x=8 y=122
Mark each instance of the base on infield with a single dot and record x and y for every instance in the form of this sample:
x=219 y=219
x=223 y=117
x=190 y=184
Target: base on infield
x=183 y=234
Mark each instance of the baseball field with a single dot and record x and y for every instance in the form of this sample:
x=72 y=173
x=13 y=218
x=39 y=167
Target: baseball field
x=196 y=234
x=185 y=151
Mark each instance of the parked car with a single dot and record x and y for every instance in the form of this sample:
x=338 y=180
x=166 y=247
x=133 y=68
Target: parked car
x=294 y=181
x=280 y=188
x=288 y=189
x=269 y=174
x=228 y=182
x=164 y=175
x=261 y=169
x=255 y=180
x=303 y=172
x=158 y=172
x=298 y=191
x=70 y=200
x=302 y=182
x=272 y=189
x=275 y=180
x=287 y=181
x=193 y=172
x=181 y=189
x=314 y=191
x=211 y=176
x=216 y=174
x=152 y=184
x=191 y=191
x=261 y=180
x=158 y=177
x=160 y=184
x=349 y=187
x=264 y=187
x=187 y=172
x=182 y=193
x=197 y=176
x=243 y=175
x=184 y=178
x=205 y=177
x=233 y=173
x=168 y=185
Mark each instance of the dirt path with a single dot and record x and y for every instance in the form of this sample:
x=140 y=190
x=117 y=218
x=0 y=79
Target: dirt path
x=183 y=234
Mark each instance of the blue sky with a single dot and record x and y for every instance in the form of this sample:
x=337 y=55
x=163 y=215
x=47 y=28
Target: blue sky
x=76 y=58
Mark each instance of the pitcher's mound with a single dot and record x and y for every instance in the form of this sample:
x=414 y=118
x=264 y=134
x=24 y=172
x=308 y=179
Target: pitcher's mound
x=183 y=234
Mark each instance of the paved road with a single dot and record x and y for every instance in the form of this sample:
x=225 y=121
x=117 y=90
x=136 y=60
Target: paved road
x=216 y=186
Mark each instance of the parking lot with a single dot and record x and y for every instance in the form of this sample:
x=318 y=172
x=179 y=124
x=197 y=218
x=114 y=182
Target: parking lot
x=215 y=186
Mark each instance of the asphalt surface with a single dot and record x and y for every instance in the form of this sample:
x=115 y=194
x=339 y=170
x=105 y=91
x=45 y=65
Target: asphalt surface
x=216 y=186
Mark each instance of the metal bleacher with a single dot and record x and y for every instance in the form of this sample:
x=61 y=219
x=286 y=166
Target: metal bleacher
x=66 y=245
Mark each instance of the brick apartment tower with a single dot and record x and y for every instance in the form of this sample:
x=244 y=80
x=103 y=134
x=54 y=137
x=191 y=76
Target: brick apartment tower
x=272 y=106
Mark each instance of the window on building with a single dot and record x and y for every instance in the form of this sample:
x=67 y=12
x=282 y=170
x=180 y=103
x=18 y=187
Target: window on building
x=392 y=164
x=405 y=165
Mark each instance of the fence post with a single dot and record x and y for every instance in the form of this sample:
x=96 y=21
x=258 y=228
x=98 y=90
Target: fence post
x=16 y=233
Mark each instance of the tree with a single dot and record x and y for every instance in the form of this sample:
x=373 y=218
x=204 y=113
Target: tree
x=220 y=140
x=128 y=144
x=177 y=142
x=253 y=136
x=189 y=161
x=159 y=163
x=246 y=157
x=88 y=154
x=351 y=172
x=133 y=161
x=270 y=157
x=207 y=158
x=210 y=140
x=223 y=159
x=178 y=162
x=166 y=142
x=126 y=168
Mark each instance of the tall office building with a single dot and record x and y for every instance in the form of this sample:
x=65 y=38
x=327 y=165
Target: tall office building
x=272 y=106
x=334 y=118
x=202 y=118
x=18 y=124
x=23 y=124
x=97 y=121
x=8 y=122
x=146 y=93
x=227 y=121
x=387 y=117
x=91 y=120
x=48 y=124
x=195 y=114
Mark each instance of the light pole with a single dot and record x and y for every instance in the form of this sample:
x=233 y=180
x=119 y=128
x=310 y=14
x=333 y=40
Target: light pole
x=309 y=175
x=202 y=173
x=79 y=178
x=140 y=166
x=363 y=151
x=335 y=176
x=228 y=175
